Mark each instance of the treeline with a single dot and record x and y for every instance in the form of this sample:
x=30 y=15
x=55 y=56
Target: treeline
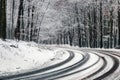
x=93 y=23
x=24 y=18
x=27 y=24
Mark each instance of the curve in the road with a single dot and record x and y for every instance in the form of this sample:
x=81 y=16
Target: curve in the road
x=71 y=56
x=114 y=68
x=60 y=76
x=53 y=74
x=98 y=71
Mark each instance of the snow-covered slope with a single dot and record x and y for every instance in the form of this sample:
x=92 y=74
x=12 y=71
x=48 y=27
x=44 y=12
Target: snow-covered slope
x=22 y=56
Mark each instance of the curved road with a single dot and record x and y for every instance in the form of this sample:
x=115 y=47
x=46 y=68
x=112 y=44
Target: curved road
x=71 y=56
x=105 y=65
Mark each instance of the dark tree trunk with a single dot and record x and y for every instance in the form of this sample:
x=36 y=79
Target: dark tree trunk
x=78 y=21
x=19 y=17
x=64 y=38
x=95 y=29
x=111 y=29
x=118 y=24
x=3 y=19
x=12 y=30
x=90 y=29
x=111 y=25
x=101 y=27
x=22 y=23
x=32 y=24
x=28 y=23
x=61 y=38
x=71 y=35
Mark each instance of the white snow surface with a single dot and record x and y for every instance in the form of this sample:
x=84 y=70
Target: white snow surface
x=19 y=57
x=78 y=57
x=22 y=56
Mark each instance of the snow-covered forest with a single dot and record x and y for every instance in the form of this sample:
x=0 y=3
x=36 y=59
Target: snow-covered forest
x=59 y=39
x=83 y=23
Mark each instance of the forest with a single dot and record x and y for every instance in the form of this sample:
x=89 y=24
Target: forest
x=83 y=23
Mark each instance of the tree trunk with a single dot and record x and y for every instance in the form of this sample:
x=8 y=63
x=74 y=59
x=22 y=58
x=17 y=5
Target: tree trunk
x=28 y=24
x=111 y=29
x=78 y=26
x=32 y=24
x=101 y=27
x=3 y=19
x=118 y=24
x=95 y=29
x=19 y=17
x=90 y=29
x=12 y=30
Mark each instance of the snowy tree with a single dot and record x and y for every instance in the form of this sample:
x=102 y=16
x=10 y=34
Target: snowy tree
x=91 y=23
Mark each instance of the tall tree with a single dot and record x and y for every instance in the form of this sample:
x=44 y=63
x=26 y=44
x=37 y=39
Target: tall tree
x=13 y=9
x=90 y=27
x=111 y=25
x=20 y=13
x=28 y=21
x=32 y=23
x=118 y=23
x=101 y=27
x=94 y=27
x=3 y=19
x=78 y=26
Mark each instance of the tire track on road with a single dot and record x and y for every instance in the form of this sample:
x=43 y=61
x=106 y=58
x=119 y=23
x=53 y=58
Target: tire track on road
x=114 y=68
x=40 y=70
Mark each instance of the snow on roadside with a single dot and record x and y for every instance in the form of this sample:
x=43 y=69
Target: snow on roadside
x=60 y=55
x=78 y=57
x=22 y=56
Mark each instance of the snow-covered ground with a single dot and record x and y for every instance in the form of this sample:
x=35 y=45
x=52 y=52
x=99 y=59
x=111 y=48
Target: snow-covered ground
x=17 y=57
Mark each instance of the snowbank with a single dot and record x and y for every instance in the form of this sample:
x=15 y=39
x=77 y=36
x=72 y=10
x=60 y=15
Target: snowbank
x=22 y=56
